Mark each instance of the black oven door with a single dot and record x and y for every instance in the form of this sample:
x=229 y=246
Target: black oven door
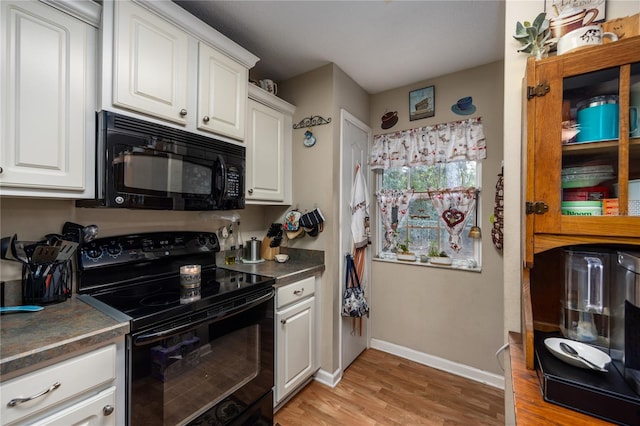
x=216 y=368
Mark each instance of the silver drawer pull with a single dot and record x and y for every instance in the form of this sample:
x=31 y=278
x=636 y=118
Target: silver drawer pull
x=17 y=401
x=107 y=410
x=299 y=292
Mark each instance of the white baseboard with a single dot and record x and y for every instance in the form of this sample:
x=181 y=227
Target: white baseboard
x=462 y=370
x=329 y=379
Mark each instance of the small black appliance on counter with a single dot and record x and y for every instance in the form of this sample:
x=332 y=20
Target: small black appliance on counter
x=603 y=287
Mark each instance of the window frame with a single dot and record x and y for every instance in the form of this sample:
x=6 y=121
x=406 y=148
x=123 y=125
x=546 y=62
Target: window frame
x=475 y=266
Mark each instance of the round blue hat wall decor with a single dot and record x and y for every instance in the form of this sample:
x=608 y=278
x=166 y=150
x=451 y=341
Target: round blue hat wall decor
x=464 y=106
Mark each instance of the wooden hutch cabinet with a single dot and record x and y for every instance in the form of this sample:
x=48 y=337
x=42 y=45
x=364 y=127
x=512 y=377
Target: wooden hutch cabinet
x=556 y=89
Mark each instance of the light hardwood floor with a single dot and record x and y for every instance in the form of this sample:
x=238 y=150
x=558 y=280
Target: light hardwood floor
x=383 y=389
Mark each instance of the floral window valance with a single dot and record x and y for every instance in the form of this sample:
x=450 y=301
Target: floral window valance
x=424 y=146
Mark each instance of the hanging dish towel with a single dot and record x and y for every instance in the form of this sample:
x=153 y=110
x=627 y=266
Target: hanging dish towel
x=359 y=209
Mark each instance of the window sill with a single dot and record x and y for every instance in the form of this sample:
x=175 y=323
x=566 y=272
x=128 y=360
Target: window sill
x=457 y=265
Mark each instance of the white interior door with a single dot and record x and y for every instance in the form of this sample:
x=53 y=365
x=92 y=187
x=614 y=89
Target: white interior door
x=355 y=137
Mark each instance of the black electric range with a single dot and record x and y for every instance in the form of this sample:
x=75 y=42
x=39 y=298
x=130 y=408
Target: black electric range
x=137 y=276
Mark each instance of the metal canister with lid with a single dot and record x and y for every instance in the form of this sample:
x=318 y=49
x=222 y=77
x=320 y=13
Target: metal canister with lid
x=252 y=250
x=598 y=118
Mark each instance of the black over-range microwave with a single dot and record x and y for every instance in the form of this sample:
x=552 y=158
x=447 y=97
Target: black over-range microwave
x=143 y=165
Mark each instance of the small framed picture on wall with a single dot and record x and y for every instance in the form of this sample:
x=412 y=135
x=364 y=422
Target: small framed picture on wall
x=422 y=103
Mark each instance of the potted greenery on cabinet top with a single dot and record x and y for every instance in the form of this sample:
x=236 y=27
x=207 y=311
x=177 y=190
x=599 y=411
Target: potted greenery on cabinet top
x=534 y=36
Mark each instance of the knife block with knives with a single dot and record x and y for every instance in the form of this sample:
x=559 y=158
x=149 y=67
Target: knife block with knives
x=271 y=243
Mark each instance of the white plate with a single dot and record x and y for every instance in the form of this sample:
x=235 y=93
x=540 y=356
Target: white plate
x=252 y=261
x=589 y=352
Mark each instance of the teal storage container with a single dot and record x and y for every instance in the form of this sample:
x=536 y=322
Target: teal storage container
x=598 y=119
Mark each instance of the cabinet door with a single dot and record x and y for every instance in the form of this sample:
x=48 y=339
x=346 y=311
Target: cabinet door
x=62 y=382
x=45 y=85
x=150 y=61
x=295 y=353
x=222 y=93
x=265 y=154
x=98 y=410
x=589 y=91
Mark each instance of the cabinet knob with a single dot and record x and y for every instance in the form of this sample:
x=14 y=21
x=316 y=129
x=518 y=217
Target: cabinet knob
x=183 y=112
x=299 y=292
x=205 y=118
x=107 y=410
x=1 y=170
x=284 y=321
x=250 y=191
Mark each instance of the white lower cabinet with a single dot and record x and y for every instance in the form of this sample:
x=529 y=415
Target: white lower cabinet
x=296 y=350
x=79 y=390
x=95 y=411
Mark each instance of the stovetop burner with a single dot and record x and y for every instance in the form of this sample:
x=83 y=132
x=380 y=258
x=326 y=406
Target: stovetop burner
x=161 y=299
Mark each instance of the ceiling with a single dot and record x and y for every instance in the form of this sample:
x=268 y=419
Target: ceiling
x=381 y=44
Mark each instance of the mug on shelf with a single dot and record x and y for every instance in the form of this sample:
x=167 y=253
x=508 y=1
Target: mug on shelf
x=591 y=35
x=269 y=86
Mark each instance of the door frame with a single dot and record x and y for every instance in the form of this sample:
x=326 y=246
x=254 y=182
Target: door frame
x=346 y=116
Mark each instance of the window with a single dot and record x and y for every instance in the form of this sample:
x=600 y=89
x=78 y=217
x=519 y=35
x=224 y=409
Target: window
x=422 y=227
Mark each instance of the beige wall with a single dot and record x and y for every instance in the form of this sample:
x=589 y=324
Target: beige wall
x=455 y=315
x=316 y=171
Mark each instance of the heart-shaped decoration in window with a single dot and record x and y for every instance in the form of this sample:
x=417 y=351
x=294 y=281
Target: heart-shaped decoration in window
x=452 y=217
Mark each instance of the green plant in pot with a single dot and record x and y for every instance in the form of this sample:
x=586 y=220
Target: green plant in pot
x=534 y=36
x=434 y=251
x=404 y=248
x=437 y=256
x=404 y=253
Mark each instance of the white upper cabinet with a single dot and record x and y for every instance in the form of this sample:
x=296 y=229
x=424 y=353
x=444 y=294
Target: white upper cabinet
x=150 y=64
x=161 y=63
x=269 y=160
x=222 y=93
x=48 y=87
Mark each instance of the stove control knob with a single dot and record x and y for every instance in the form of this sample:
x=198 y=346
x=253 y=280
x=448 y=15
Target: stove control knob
x=94 y=253
x=114 y=249
x=202 y=240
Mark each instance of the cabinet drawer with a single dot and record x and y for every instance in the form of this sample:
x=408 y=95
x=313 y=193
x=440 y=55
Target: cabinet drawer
x=297 y=291
x=76 y=376
x=98 y=410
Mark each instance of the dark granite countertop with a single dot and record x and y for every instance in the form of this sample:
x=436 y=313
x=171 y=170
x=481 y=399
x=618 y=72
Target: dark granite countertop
x=301 y=264
x=28 y=339
x=32 y=338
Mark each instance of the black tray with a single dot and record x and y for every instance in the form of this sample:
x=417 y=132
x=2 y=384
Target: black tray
x=603 y=395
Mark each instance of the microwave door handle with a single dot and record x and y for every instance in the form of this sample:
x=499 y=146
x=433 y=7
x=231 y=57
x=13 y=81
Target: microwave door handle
x=223 y=173
x=154 y=336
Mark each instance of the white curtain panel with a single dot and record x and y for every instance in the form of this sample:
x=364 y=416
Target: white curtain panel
x=453 y=207
x=390 y=201
x=440 y=143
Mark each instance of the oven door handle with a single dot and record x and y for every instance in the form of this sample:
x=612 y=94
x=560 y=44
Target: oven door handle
x=183 y=328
